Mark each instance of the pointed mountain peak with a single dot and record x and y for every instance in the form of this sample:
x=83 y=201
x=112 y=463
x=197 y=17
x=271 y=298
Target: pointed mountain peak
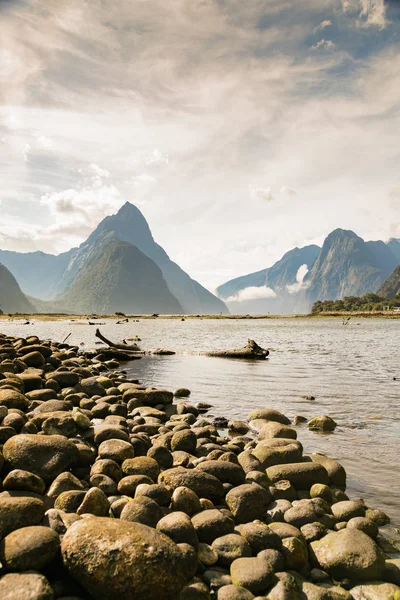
x=341 y=234
x=129 y=210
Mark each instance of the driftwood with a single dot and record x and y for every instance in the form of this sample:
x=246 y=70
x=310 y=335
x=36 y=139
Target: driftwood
x=123 y=347
x=251 y=351
x=104 y=354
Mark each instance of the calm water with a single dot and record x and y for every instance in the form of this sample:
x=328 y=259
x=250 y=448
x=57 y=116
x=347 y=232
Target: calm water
x=349 y=369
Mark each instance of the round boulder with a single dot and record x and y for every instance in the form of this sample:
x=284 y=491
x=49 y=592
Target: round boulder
x=29 y=548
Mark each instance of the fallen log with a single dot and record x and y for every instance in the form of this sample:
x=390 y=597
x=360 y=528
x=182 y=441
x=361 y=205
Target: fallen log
x=123 y=347
x=251 y=351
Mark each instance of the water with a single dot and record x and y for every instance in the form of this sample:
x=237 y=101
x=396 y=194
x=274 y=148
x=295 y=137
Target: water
x=348 y=369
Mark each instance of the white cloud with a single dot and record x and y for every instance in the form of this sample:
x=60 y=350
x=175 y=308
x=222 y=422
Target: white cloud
x=252 y=293
x=324 y=44
x=369 y=12
x=264 y=194
x=323 y=25
x=156 y=158
x=288 y=191
x=296 y=287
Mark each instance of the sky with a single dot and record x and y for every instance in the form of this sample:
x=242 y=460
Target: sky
x=240 y=129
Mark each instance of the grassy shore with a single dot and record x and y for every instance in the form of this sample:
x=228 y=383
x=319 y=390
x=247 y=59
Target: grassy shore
x=94 y=319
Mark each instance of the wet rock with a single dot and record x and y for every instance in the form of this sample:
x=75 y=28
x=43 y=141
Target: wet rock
x=29 y=548
x=45 y=456
x=182 y=393
x=349 y=553
x=323 y=423
x=119 y=560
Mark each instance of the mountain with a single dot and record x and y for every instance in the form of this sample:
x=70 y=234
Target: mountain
x=348 y=266
x=282 y=274
x=12 y=299
x=119 y=277
x=391 y=287
x=50 y=277
x=38 y=273
x=272 y=290
x=394 y=245
x=129 y=225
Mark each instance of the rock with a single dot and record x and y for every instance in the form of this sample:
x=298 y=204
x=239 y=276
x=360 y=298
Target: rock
x=185 y=500
x=226 y=472
x=91 y=387
x=254 y=574
x=65 y=379
x=376 y=590
x=250 y=351
x=33 y=359
x=272 y=454
x=237 y=428
x=142 y=510
x=24 y=481
x=64 y=482
x=313 y=531
x=117 y=450
x=45 y=456
x=230 y=547
x=336 y=473
x=233 y=592
x=268 y=414
x=349 y=553
x=162 y=455
x=69 y=501
x=185 y=441
x=203 y=485
x=274 y=557
x=29 y=548
x=212 y=524
x=220 y=422
x=13 y=399
x=141 y=465
x=182 y=393
x=120 y=560
x=295 y=553
x=365 y=525
x=260 y=536
x=319 y=490
x=285 y=587
x=19 y=511
x=158 y=493
x=25 y=586
x=95 y=502
x=347 y=509
x=271 y=429
x=179 y=528
x=392 y=570
x=377 y=516
x=248 y=502
x=323 y=423
x=301 y=475
x=207 y=555
x=305 y=511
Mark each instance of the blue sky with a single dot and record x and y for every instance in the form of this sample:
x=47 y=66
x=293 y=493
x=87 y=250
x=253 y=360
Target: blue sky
x=240 y=129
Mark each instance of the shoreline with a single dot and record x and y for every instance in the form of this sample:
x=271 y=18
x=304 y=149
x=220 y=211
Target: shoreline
x=69 y=317
x=95 y=462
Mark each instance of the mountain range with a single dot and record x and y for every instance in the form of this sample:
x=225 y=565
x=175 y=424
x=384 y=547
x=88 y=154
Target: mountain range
x=118 y=268
x=346 y=265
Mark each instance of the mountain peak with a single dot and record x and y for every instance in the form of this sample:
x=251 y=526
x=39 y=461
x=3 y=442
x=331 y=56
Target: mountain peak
x=128 y=210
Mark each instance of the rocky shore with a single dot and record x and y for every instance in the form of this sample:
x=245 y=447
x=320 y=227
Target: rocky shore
x=112 y=490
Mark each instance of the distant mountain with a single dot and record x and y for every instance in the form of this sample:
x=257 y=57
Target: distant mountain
x=348 y=266
x=282 y=274
x=38 y=273
x=50 y=277
x=272 y=290
x=391 y=287
x=12 y=299
x=394 y=245
x=119 y=277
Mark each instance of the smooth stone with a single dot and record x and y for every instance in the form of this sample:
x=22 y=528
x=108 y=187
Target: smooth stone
x=29 y=548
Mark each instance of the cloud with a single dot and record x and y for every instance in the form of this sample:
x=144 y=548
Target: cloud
x=370 y=13
x=252 y=293
x=323 y=25
x=299 y=285
x=324 y=44
x=264 y=194
x=288 y=191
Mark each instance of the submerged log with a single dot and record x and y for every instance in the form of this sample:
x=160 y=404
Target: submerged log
x=251 y=351
x=123 y=347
